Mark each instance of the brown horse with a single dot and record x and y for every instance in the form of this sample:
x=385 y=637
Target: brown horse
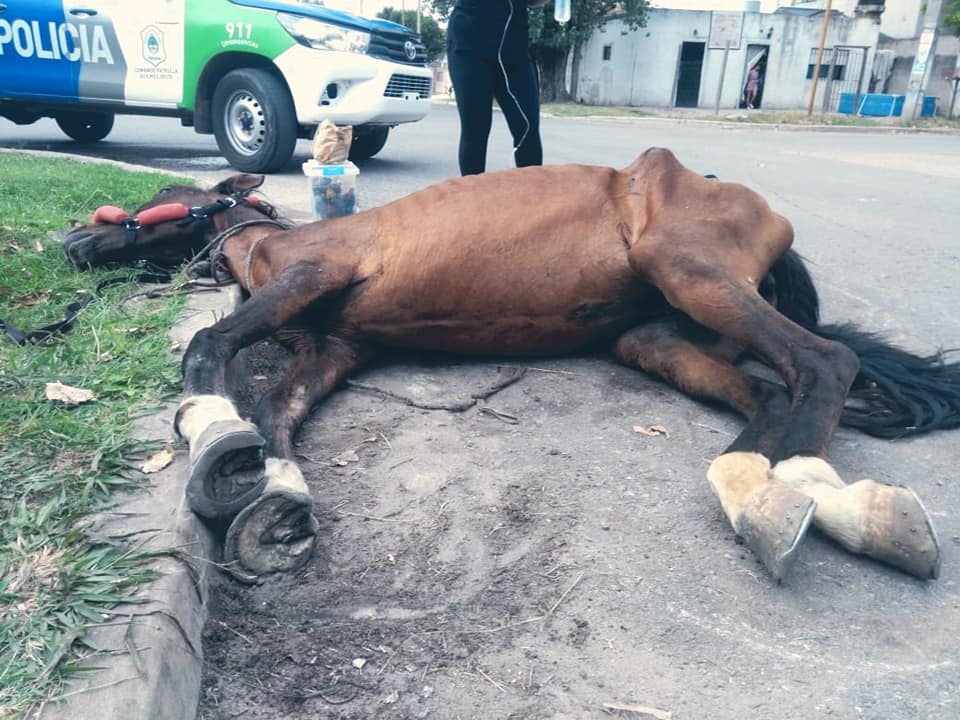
x=679 y=274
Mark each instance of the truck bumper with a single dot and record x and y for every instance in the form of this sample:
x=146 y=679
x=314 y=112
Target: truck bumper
x=353 y=89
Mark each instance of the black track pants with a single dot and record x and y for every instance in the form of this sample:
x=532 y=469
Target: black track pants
x=477 y=81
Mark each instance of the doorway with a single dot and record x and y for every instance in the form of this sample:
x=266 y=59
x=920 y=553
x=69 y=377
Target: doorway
x=754 y=76
x=688 y=75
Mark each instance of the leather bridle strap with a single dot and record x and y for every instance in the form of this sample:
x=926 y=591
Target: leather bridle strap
x=110 y=214
x=47 y=332
x=174 y=212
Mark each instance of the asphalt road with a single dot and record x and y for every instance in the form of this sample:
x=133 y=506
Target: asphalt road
x=876 y=215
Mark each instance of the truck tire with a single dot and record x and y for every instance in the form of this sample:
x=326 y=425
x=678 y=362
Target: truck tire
x=254 y=120
x=367 y=145
x=85 y=127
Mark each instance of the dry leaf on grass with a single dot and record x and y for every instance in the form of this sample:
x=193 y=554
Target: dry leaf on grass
x=68 y=395
x=36 y=297
x=158 y=461
x=651 y=430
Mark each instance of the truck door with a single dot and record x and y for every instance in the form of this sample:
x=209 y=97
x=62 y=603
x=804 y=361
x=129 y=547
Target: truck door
x=147 y=70
x=38 y=50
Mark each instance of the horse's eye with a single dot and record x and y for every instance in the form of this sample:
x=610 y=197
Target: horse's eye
x=165 y=190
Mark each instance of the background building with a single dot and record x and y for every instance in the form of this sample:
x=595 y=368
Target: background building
x=676 y=60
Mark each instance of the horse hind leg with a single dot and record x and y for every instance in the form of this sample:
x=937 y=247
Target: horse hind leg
x=277 y=531
x=770 y=517
x=884 y=522
x=818 y=373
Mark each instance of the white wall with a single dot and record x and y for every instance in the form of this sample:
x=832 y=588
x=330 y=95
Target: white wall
x=901 y=18
x=644 y=63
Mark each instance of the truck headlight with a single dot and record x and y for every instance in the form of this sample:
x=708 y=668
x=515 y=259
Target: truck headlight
x=323 y=36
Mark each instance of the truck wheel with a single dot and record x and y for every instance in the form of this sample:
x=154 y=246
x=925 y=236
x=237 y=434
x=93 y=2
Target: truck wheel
x=85 y=127
x=254 y=120
x=367 y=145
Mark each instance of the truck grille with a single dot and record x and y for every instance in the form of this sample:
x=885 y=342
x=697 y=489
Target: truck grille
x=391 y=46
x=400 y=85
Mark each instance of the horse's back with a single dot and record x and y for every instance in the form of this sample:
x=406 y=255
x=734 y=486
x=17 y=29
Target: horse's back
x=537 y=259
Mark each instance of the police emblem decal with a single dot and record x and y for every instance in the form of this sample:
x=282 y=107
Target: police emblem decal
x=153 y=49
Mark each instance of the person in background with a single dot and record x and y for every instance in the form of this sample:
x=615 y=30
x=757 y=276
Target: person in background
x=753 y=85
x=489 y=58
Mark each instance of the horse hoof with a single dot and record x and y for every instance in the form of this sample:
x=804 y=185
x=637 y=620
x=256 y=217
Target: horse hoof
x=226 y=469
x=898 y=531
x=277 y=532
x=772 y=523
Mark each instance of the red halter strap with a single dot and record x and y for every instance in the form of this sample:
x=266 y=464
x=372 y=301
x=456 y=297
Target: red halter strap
x=152 y=216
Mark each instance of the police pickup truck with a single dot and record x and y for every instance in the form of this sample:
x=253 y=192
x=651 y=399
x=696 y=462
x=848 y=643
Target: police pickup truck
x=257 y=74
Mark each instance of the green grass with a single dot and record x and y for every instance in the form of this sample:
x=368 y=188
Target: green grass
x=579 y=110
x=778 y=117
x=59 y=464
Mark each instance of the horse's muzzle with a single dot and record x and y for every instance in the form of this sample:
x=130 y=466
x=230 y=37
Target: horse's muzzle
x=79 y=246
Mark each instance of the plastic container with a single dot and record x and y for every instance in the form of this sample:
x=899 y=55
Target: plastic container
x=561 y=10
x=881 y=105
x=847 y=102
x=333 y=189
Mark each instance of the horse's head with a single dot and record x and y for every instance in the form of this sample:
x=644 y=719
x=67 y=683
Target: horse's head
x=166 y=230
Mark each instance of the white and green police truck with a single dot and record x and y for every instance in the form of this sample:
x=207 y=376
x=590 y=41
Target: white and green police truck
x=257 y=74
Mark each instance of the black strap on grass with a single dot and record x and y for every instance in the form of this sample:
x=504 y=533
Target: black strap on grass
x=48 y=332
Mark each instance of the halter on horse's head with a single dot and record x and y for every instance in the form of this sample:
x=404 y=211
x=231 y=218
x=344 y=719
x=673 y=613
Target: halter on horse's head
x=175 y=224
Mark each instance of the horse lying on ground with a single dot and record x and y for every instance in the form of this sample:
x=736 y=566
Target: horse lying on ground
x=679 y=274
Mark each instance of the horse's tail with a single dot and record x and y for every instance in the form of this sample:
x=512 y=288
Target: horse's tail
x=896 y=393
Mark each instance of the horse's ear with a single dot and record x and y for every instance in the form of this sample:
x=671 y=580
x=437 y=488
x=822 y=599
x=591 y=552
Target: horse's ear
x=244 y=182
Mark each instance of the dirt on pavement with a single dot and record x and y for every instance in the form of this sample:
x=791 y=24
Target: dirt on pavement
x=546 y=554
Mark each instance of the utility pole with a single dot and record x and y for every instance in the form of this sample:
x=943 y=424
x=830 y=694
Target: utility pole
x=419 y=13
x=819 y=62
x=723 y=73
x=923 y=60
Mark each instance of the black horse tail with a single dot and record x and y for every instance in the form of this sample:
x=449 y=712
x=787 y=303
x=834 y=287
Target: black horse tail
x=896 y=393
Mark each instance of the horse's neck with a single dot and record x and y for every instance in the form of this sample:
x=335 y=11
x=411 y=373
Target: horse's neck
x=241 y=243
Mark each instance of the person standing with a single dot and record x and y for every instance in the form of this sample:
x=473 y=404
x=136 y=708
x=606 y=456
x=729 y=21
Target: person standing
x=753 y=85
x=488 y=56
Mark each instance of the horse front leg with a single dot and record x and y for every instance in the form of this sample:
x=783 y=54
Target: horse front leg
x=226 y=451
x=277 y=531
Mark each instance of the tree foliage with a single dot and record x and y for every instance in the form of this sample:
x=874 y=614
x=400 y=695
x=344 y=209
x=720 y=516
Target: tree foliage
x=585 y=17
x=551 y=42
x=432 y=34
x=951 y=16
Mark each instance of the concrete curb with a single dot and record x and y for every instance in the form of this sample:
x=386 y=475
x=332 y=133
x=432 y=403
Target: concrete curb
x=88 y=160
x=151 y=660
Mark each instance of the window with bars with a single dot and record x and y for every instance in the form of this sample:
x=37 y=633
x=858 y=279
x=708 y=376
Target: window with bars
x=839 y=64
